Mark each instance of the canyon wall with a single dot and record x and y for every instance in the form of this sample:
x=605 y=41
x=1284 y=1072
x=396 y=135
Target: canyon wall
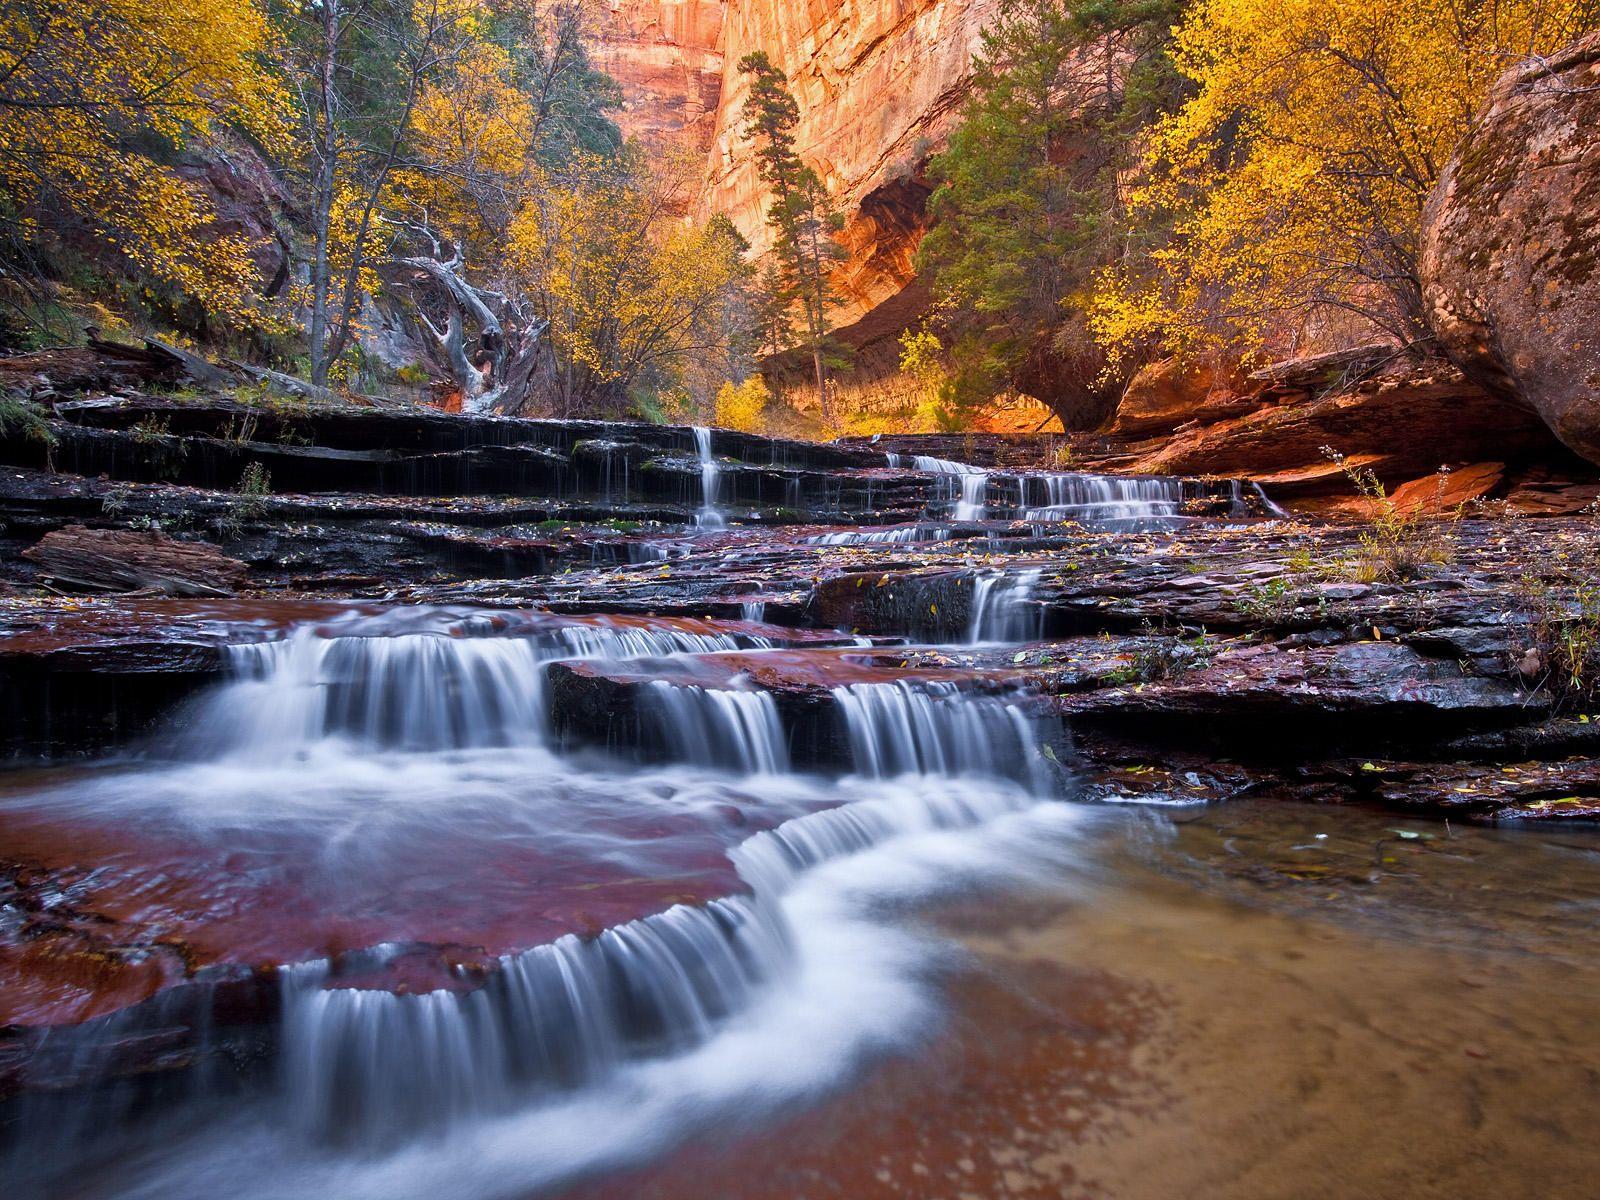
x=666 y=56
x=878 y=83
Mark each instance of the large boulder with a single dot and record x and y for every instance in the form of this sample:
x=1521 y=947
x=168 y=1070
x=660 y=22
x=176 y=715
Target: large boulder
x=1510 y=242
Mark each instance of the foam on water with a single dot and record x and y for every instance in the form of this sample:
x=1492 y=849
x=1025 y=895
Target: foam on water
x=375 y=757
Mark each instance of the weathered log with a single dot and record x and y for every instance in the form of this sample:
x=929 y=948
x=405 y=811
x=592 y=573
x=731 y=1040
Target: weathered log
x=121 y=560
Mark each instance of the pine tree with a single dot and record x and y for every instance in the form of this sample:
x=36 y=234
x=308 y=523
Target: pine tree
x=804 y=224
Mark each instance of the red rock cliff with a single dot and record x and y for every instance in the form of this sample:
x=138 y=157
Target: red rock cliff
x=878 y=82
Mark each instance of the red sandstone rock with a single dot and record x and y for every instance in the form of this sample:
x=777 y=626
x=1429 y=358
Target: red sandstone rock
x=1401 y=426
x=1510 y=242
x=1169 y=393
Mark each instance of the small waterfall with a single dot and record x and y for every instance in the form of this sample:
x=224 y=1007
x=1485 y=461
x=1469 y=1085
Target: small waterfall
x=1003 y=608
x=903 y=728
x=720 y=727
x=888 y=535
x=366 y=1068
x=753 y=610
x=973 y=505
x=1090 y=499
x=941 y=466
x=964 y=485
x=413 y=692
x=709 y=516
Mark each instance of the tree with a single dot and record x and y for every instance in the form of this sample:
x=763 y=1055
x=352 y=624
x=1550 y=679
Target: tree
x=1293 y=181
x=804 y=225
x=93 y=95
x=495 y=129
x=1027 y=205
x=632 y=294
x=359 y=70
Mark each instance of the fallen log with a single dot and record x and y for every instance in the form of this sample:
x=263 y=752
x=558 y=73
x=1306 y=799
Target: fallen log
x=121 y=560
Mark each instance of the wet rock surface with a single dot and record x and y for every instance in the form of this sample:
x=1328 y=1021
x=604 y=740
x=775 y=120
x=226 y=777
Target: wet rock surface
x=1165 y=640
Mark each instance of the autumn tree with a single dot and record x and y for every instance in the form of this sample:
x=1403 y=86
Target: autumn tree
x=359 y=70
x=1027 y=199
x=493 y=131
x=633 y=295
x=804 y=225
x=95 y=95
x=1294 y=179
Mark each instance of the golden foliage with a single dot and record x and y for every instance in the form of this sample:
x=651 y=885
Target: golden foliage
x=628 y=287
x=83 y=83
x=1293 y=181
x=744 y=405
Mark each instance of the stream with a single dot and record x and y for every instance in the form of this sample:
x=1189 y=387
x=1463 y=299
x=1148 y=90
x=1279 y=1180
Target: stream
x=472 y=902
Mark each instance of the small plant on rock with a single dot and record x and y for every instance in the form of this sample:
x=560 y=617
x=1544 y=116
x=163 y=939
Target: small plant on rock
x=1400 y=543
x=1564 y=639
x=1164 y=655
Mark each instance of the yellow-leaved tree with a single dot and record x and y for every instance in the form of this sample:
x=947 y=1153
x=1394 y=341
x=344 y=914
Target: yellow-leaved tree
x=630 y=290
x=1290 y=187
x=744 y=405
x=94 y=93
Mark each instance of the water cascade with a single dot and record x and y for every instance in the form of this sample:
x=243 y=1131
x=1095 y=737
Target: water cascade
x=1002 y=607
x=886 y=535
x=963 y=485
x=904 y=728
x=720 y=727
x=1092 y=499
x=709 y=516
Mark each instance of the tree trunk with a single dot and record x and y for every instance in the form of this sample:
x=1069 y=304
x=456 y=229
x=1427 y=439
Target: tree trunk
x=121 y=560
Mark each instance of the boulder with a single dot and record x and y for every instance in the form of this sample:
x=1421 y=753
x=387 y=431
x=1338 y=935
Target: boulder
x=1401 y=425
x=1509 y=245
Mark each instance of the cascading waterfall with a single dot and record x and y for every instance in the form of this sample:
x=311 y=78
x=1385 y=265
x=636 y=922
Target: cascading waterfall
x=1071 y=496
x=888 y=535
x=905 y=728
x=962 y=484
x=414 y=692
x=709 y=516
x=702 y=1000
x=720 y=727
x=369 y=1067
x=1002 y=607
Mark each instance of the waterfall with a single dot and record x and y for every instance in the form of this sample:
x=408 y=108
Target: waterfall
x=720 y=727
x=973 y=503
x=409 y=692
x=709 y=516
x=1003 y=608
x=1090 y=499
x=903 y=728
x=962 y=484
x=629 y=1032
x=367 y=1068
x=753 y=610
x=886 y=535
x=414 y=692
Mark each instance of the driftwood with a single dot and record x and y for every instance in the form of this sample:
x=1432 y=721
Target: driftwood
x=121 y=560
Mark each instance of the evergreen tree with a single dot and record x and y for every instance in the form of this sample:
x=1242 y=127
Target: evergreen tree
x=1027 y=204
x=804 y=224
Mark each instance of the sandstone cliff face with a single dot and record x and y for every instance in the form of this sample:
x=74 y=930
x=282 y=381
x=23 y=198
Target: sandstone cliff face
x=1511 y=249
x=878 y=83
x=666 y=56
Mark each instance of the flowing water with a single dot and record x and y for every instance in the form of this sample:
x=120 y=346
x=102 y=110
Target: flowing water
x=483 y=944
x=426 y=902
x=710 y=516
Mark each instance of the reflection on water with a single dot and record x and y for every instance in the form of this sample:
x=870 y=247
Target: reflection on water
x=1255 y=1001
